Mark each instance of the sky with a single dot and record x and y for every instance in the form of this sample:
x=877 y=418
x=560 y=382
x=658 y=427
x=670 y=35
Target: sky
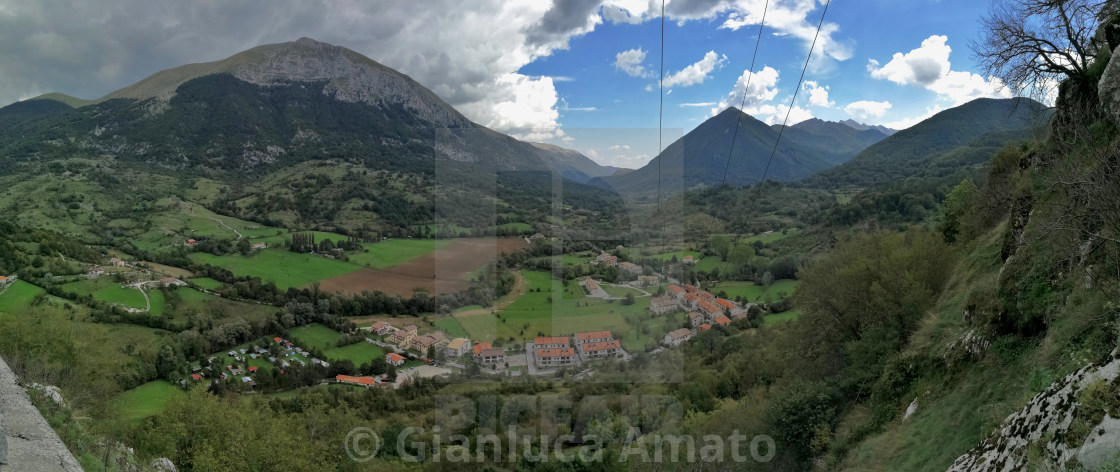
x=583 y=74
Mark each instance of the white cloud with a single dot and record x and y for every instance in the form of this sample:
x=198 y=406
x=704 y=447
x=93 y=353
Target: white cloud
x=698 y=105
x=697 y=72
x=867 y=110
x=620 y=147
x=792 y=18
x=928 y=66
x=818 y=94
x=468 y=53
x=913 y=120
x=528 y=110
x=776 y=114
x=763 y=88
x=630 y=62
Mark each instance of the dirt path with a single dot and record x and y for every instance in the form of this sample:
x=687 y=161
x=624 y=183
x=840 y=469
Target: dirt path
x=519 y=288
x=224 y=225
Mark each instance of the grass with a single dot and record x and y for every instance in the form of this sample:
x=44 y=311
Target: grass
x=620 y=292
x=358 y=353
x=206 y=283
x=144 y=401
x=756 y=293
x=18 y=296
x=391 y=252
x=315 y=336
x=783 y=317
x=158 y=302
x=108 y=291
x=450 y=326
x=284 y=268
x=772 y=237
x=533 y=313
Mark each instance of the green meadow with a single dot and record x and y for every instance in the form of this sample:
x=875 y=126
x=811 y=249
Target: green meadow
x=206 y=283
x=18 y=296
x=146 y=400
x=284 y=268
x=757 y=293
x=108 y=291
x=391 y=252
x=315 y=336
x=358 y=353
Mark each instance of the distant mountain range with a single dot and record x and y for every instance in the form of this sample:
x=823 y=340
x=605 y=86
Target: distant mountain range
x=706 y=155
x=946 y=143
x=279 y=103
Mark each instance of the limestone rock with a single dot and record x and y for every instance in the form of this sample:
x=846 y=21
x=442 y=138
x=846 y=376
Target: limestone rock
x=1108 y=89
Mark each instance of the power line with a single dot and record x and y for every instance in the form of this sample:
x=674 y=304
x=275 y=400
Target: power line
x=661 y=105
x=758 y=187
x=746 y=89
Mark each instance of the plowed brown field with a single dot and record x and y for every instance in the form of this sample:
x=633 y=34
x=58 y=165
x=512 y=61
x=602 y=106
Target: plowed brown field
x=444 y=270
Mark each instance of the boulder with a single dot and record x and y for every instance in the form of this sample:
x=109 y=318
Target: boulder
x=1108 y=89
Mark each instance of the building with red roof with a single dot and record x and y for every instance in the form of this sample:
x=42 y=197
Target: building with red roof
x=723 y=302
x=601 y=349
x=551 y=342
x=395 y=359
x=252 y=368
x=479 y=347
x=364 y=381
x=675 y=291
x=555 y=357
x=708 y=307
x=722 y=320
x=705 y=327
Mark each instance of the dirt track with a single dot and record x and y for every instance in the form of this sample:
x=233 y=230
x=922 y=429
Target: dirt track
x=442 y=271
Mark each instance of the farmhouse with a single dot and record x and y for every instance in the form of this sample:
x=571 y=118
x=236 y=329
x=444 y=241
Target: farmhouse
x=116 y=262
x=381 y=327
x=688 y=260
x=600 y=349
x=630 y=267
x=190 y=242
x=4 y=281
x=492 y=356
x=705 y=327
x=555 y=357
x=394 y=359
x=695 y=319
x=663 y=305
x=676 y=337
x=95 y=272
x=725 y=303
x=458 y=347
x=722 y=320
x=607 y=259
x=258 y=246
x=647 y=280
x=553 y=342
x=170 y=281
x=479 y=347
x=675 y=291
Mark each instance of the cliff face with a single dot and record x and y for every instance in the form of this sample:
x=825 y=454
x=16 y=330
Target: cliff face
x=32 y=445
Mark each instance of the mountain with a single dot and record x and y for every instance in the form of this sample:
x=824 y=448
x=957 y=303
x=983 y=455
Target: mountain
x=275 y=112
x=862 y=127
x=944 y=144
x=572 y=164
x=701 y=156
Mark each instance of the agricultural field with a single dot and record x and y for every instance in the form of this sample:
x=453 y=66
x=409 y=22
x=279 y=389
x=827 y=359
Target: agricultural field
x=767 y=238
x=284 y=268
x=568 y=312
x=206 y=283
x=451 y=327
x=18 y=296
x=445 y=270
x=315 y=336
x=358 y=353
x=619 y=291
x=391 y=252
x=757 y=293
x=158 y=302
x=108 y=291
x=144 y=401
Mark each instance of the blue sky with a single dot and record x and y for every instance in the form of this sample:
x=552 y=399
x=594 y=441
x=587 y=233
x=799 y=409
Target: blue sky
x=569 y=72
x=596 y=94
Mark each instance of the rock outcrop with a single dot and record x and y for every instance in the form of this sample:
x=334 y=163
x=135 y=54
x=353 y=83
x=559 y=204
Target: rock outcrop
x=32 y=445
x=1055 y=430
x=1108 y=89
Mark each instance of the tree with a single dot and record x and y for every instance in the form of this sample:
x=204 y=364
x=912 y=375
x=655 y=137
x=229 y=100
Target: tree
x=629 y=300
x=767 y=279
x=1034 y=44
